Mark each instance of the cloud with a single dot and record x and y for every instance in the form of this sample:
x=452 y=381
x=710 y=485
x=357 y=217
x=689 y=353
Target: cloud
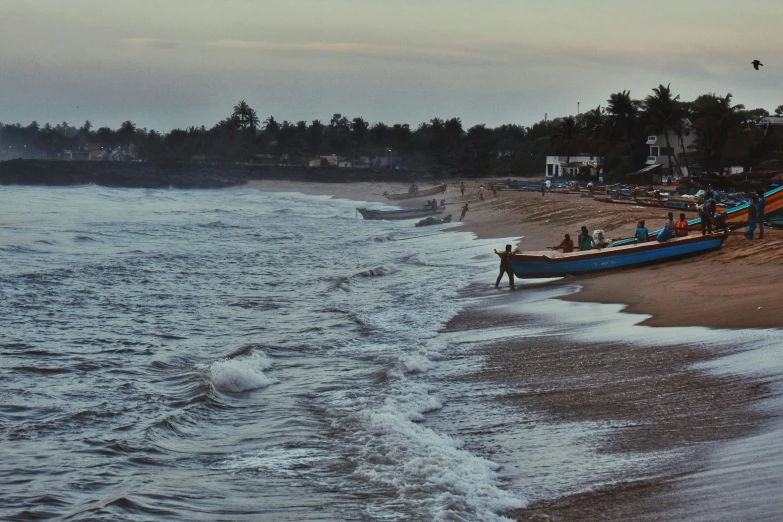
x=153 y=43
x=394 y=52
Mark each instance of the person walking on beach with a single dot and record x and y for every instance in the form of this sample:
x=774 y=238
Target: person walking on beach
x=681 y=227
x=543 y=187
x=642 y=234
x=462 y=187
x=566 y=244
x=505 y=267
x=753 y=214
x=495 y=190
x=481 y=192
x=762 y=207
x=464 y=211
x=585 y=240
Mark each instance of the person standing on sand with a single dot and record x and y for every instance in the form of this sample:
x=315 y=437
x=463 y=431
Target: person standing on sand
x=585 y=240
x=642 y=234
x=505 y=267
x=543 y=187
x=753 y=214
x=464 y=211
x=681 y=227
x=566 y=244
x=762 y=207
x=462 y=187
x=481 y=192
x=706 y=217
x=495 y=189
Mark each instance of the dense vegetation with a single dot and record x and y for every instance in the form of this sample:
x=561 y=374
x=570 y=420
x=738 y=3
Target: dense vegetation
x=726 y=135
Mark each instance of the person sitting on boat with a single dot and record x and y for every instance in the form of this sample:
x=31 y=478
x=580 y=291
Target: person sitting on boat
x=600 y=239
x=665 y=234
x=670 y=220
x=585 y=240
x=642 y=234
x=505 y=266
x=442 y=202
x=681 y=227
x=566 y=244
x=719 y=222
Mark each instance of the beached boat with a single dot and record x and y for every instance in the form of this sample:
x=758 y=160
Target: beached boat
x=407 y=213
x=433 y=221
x=776 y=222
x=529 y=265
x=418 y=193
x=736 y=216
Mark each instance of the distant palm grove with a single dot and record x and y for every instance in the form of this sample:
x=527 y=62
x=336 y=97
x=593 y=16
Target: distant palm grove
x=726 y=134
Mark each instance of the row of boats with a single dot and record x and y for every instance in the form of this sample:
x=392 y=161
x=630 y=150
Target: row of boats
x=621 y=253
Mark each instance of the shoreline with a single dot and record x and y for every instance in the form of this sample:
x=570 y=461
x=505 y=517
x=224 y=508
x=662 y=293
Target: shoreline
x=733 y=287
x=659 y=397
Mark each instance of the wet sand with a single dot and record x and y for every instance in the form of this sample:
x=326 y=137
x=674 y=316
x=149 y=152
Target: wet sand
x=717 y=433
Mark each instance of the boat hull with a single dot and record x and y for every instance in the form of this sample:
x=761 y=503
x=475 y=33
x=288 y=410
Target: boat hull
x=419 y=194
x=547 y=264
x=399 y=214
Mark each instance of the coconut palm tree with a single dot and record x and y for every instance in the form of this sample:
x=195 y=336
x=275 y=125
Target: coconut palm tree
x=663 y=113
x=716 y=120
x=565 y=137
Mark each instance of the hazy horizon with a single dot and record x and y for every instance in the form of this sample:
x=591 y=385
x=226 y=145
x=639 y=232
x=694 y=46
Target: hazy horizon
x=182 y=63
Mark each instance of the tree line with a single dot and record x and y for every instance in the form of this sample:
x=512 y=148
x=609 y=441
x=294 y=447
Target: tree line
x=726 y=134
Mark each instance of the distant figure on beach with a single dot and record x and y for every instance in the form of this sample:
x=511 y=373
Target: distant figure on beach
x=481 y=192
x=642 y=234
x=585 y=240
x=753 y=214
x=762 y=207
x=495 y=189
x=756 y=64
x=543 y=187
x=505 y=266
x=665 y=234
x=462 y=188
x=590 y=187
x=464 y=211
x=681 y=226
x=548 y=184
x=670 y=221
x=566 y=244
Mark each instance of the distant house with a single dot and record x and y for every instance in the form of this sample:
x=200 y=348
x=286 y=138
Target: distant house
x=72 y=155
x=771 y=120
x=660 y=152
x=330 y=160
x=559 y=166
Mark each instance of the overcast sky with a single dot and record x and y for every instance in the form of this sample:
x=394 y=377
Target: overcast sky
x=174 y=63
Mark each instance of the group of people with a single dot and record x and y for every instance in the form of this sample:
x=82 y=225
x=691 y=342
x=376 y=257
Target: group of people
x=434 y=204
x=414 y=188
x=545 y=185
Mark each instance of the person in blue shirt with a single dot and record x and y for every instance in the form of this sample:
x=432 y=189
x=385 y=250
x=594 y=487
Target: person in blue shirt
x=761 y=206
x=665 y=234
x=642 y=234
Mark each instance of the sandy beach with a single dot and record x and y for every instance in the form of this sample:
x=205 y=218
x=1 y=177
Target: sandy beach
x=662 y=399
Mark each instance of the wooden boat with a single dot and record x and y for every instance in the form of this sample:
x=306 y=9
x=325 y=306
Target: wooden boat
x=419 y=194
x=433 y=221
x=407 y=213
x=528 y=265
x=734 y=216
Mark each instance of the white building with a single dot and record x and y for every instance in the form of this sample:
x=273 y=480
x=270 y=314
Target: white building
x=571 y=166
x=659 y=150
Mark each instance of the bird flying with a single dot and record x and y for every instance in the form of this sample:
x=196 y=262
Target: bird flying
x=756 y=64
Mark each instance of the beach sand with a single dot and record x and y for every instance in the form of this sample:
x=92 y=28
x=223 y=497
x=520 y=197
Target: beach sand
x=661 y=399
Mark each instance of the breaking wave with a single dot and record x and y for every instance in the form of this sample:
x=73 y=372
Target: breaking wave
x=242 y=373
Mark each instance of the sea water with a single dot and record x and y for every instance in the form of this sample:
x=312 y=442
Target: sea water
x=242 y=355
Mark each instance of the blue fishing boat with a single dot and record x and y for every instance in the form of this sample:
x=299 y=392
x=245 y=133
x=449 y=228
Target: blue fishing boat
x=407 y=213
x=528 y=265
x=737 y=215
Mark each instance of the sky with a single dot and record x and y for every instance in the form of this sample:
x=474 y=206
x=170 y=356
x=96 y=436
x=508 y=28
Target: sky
x=167 y=64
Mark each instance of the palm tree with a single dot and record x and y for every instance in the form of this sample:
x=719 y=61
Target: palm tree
x=564 y=137
x=245 y=116
x=716 y=121
x=622 y=116
x=359 y=129
x=593 y=124
x=663 y=114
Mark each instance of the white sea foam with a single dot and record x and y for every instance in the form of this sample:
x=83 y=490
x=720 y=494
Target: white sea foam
x=241 y=373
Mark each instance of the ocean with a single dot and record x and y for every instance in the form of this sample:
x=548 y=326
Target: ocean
x=245 y=355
